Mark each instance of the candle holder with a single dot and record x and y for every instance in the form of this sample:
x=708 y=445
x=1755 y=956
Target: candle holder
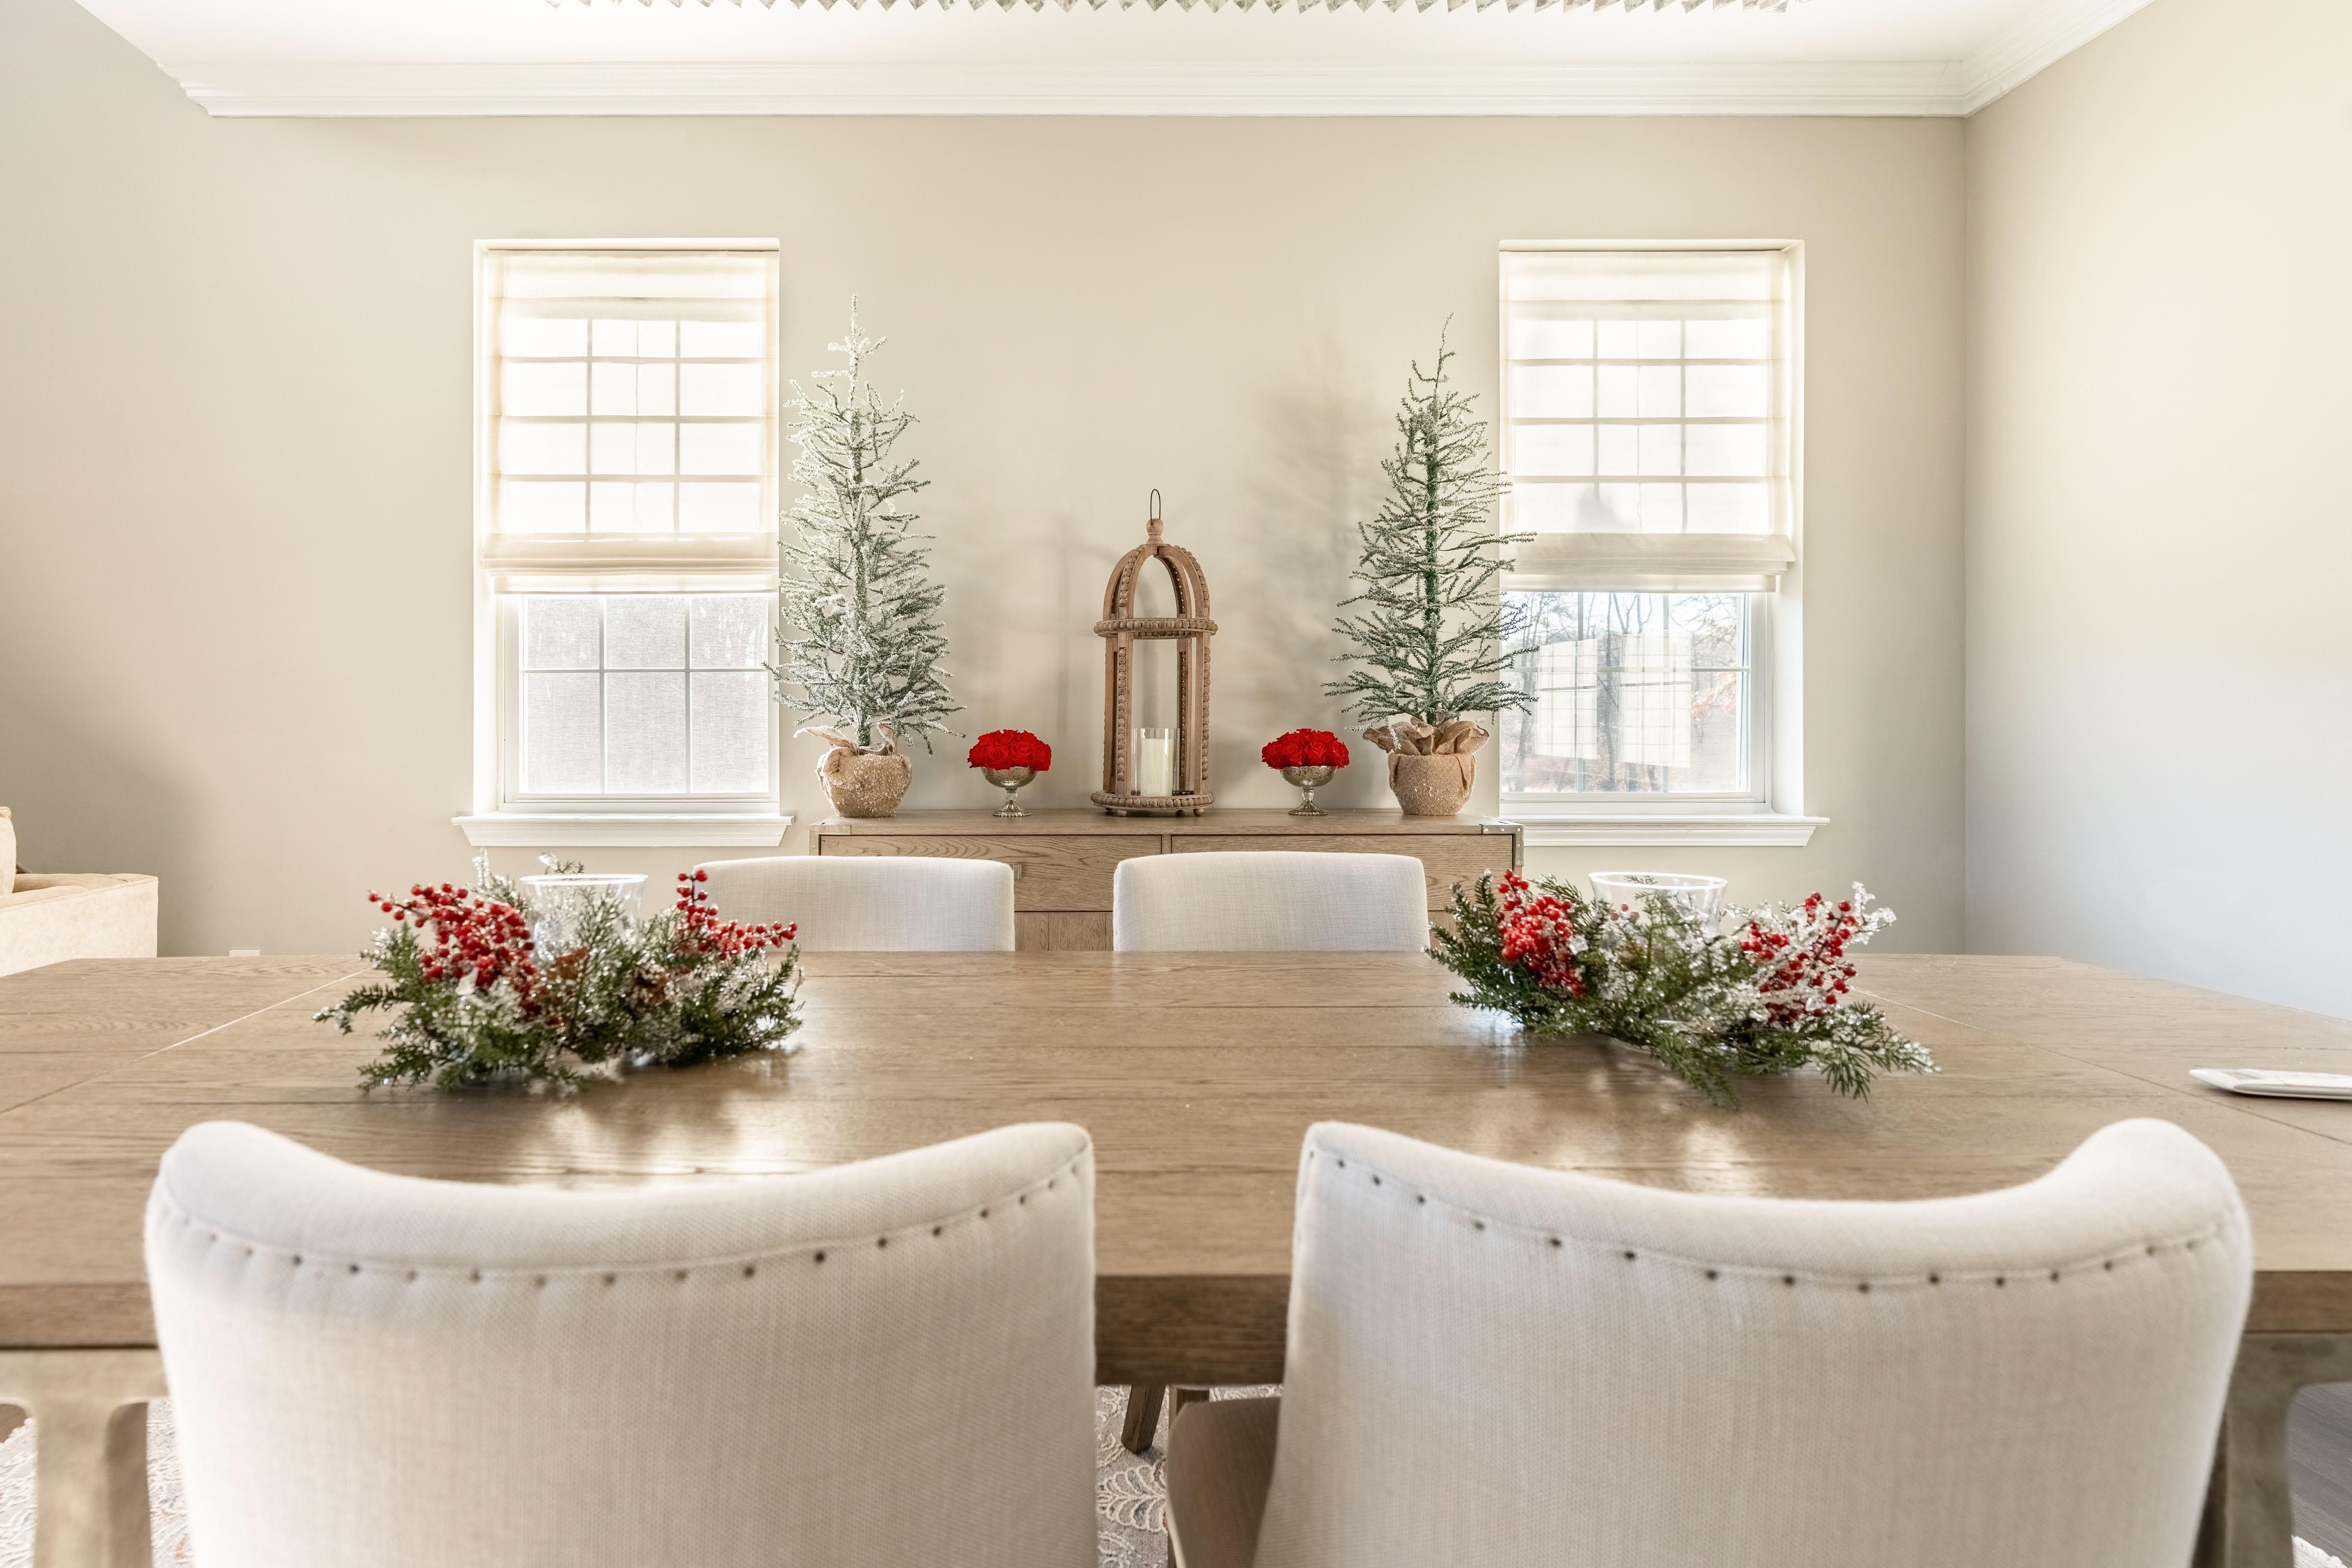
x=1306 y=780
x=1010 y=780
x=1183 y=790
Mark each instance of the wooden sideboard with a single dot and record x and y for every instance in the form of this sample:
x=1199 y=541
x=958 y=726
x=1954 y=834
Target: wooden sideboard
x=1062 y=860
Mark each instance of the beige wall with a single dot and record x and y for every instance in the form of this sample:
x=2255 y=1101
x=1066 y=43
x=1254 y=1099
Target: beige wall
x=2159 y=522
x=234 y=433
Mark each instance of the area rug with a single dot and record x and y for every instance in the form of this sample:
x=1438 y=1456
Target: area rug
x=1129 y=1494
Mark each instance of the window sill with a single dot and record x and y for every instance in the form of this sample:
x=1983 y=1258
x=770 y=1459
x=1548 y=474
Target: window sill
x=1762 y=829
x=512 y=830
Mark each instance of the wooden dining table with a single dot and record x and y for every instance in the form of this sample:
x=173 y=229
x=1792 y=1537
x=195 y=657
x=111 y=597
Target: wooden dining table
x=1198 y=1074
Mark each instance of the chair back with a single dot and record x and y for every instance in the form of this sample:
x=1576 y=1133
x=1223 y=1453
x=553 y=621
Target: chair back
x=880 y=1364
x=1256 y=900
x=1494 y=1365
x=871 y=903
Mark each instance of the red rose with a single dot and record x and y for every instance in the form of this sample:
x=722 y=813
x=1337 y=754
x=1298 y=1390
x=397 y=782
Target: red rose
x=1003 y=748
x=1306 y=748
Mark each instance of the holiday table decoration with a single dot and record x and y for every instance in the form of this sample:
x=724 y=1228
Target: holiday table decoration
x=1010 y=758
x=491 y=982
x=1183 y=788
x=1306 y=758
x=866 y=670
x=1770 y=995
x=1429 y=640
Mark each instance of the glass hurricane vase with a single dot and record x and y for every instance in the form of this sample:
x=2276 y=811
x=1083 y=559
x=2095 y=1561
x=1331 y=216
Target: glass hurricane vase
x=1700 y=898
x=560 y=905
x=1306 y=780
x=1010 y=780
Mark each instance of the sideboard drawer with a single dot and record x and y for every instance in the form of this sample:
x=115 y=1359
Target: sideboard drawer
x=1063 y=870
x=1447 y=858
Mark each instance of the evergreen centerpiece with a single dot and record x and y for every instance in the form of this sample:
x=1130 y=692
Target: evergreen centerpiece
x=1430 y=639
x=1010 y=758
x=1770 y=997
x=866 y=670
x=1306 y=758
x=479 y=1000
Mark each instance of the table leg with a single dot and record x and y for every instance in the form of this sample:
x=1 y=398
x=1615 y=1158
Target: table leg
x=2249 y=1510
x=90 y=1455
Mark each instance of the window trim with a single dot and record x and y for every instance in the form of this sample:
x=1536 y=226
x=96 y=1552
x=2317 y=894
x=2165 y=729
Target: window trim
x=713 y=563
x=1772 y=815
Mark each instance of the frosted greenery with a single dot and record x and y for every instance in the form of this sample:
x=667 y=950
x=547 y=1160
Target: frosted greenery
x=856 y=585
x=1429 y=637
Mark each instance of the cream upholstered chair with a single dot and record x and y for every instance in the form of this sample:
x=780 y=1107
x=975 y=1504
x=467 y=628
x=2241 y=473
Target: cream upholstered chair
x=873 y=903
x=1260 y=900
x=1248 y=900
x=1494 y=1364
x=879 y=1365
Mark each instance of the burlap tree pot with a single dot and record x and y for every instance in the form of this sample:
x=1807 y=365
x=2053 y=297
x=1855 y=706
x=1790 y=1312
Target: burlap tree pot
x=863 y=780
x=1431 y=766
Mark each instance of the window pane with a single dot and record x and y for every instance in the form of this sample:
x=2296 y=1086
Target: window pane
x=528 y=447
x=718 y=448
x=1620 y=448
x=656 y=389
x=1737 y=449
x=722 y=389
x=527 y=386
x=1662 y=448
x=1730 y=509
x=541 y=336
x=731 y=731
x=657 y=340
x=539 y=507
x=721 y=341
x=560 y=735
x=645 y=631
x=719 y=510
x=1534 y=337
x=561 y=633
x=1748 y=340
x=1728 y=392
x=730 y=630
x=1635 y=694
x=1551 y=391
x=1553 y=449
x=621 y=506
x=644 y=733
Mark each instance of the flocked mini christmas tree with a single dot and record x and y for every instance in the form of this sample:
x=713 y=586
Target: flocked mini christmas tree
x=865 y=669
x=1430 y=637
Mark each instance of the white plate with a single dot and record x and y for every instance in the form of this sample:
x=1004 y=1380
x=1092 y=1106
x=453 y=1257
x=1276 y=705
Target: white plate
x=2287 y=1085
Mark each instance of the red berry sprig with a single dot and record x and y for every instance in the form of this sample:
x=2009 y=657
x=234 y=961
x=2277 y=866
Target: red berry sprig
x=473 y=937
x=701 y=931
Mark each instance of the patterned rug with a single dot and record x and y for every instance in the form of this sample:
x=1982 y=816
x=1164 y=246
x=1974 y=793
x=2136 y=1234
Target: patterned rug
x=1129 y=1494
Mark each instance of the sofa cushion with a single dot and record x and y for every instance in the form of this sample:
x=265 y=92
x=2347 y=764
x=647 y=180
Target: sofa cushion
x=51 y=919
x=7 y=854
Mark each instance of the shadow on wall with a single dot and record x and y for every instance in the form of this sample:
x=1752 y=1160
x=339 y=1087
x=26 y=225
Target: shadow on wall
x=1322 y=476
x=83 y=802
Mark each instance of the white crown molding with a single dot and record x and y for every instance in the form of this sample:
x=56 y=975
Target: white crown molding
x=334 y=89
x=2012 y=57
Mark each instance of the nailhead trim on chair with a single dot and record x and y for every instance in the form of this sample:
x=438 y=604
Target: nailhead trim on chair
x=539 y=1277
x=1716 y=1270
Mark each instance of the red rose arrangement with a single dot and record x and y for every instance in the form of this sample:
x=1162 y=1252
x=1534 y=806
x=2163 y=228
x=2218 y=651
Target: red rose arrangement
x=1306 y=748
x=1003 y=748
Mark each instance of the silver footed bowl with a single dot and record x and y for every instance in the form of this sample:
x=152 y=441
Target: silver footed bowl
x=1306 y=780
x=1010 y=780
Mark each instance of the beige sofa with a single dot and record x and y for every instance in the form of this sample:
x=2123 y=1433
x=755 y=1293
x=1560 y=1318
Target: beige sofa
x=46 y=919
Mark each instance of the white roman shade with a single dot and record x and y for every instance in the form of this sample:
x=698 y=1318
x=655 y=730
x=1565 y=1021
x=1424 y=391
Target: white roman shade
x=629 y=418
x=1647 y=405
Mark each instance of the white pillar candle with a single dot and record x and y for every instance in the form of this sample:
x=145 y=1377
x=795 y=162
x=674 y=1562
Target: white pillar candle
x=1155 y=762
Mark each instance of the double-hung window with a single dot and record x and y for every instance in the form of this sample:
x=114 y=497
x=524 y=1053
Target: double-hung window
x=626 y=554
x=1649 y=438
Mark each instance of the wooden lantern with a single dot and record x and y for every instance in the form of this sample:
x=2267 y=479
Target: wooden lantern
x=1189 y=628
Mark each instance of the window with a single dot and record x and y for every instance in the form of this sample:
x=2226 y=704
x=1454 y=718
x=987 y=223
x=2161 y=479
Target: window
x=626 y=562
x=1648 y=436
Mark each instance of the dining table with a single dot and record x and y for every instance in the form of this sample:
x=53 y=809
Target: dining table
x=1198 y=1075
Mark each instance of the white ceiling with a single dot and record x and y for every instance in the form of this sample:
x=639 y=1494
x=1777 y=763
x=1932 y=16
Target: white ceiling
x=1032 y=57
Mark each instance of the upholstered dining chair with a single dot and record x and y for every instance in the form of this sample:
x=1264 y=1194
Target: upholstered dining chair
x=1242 y=901
x=881 y=1365
x=874 y=904
x=1494 y=1365
x=1245 y=901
